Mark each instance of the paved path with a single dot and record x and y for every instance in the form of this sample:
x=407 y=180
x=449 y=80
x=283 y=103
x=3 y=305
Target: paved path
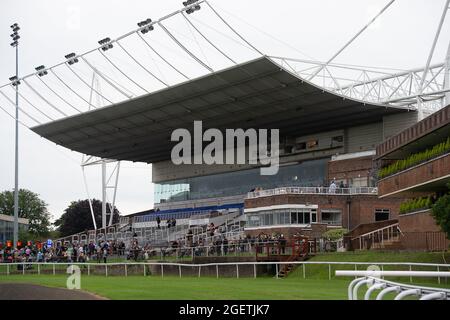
x=22 y=291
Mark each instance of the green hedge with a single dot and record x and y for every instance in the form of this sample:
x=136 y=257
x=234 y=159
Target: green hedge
x=415 y=159
x=415 y=205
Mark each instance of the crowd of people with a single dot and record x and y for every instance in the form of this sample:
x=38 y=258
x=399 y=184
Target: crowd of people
x=212 y=241
x=62 y=252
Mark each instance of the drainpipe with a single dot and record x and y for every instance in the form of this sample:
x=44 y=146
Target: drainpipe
x=348 y=212
x=447 y=77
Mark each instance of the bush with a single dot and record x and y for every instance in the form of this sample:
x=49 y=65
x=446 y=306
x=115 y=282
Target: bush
x=415 y=159
x=415 y=205
x=334 y=234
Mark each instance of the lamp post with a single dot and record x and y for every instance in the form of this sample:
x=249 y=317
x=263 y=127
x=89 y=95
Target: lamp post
x=15 y=37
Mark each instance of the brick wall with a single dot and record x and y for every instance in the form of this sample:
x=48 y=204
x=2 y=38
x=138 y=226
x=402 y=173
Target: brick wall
x=360 y=208
x=415 y=132
x=433 y=169
x=418 y=222
x=349 y=168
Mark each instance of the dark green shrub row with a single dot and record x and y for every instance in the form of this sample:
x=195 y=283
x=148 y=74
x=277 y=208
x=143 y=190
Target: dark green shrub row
x=415 y=159
x=415 y=205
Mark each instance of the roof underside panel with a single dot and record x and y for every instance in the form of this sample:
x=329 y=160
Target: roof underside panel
x=256 y=94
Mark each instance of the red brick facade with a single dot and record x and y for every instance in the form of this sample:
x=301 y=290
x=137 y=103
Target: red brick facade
x=415 y=132
x=356 y=209
x=346 y=170
x=434 y=169
x=418 y=222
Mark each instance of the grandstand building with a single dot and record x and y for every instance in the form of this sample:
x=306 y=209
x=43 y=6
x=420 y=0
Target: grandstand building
x=419 y=181
x=330 y=119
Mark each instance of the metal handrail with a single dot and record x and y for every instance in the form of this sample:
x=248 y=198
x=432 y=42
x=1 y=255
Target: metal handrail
x=313 y=190
x=375 y=281
x=376 y=231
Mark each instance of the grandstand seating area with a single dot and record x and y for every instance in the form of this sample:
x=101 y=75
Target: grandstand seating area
x=145 y=230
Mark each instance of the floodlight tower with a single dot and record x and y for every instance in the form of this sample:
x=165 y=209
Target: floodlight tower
x=15 y=82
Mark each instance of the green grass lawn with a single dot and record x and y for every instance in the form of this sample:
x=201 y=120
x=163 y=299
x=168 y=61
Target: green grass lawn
x=152 y=287
x=316 y=285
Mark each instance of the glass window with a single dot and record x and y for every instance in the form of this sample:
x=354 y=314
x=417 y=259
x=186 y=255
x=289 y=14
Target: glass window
x=307 y=217
x=313 y=216
x=305 y=174
x=333 y=217
x=294 y=219
x=382 y=214
x=300 y=219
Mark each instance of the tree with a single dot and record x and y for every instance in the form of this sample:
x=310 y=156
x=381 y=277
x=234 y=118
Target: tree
x=77 y=217
x=441 y=213
x=31 y=207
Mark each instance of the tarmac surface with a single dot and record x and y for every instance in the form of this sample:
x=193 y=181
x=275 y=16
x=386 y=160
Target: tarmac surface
x=21 y=291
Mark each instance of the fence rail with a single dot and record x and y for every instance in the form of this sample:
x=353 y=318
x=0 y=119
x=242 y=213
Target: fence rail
x=374 y=280
x=233 y=269
x=313 y=190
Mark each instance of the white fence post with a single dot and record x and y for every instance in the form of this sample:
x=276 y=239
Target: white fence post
x=89 y=269
x=162 y=271
x=54 y=272
x=439 y=278
x=199 y=270
x=254 y=270
x=410 y=278
x=23 y=268
x=276 y=269
x=179 y=270
x=39 y=268
x=106 y=270
x=7 y=269
x=217 y=271
x=304 y=271
x=126 y=270
x=237 y=271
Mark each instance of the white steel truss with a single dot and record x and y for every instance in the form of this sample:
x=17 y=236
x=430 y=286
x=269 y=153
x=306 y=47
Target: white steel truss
x=377 y=85
x=422 y=88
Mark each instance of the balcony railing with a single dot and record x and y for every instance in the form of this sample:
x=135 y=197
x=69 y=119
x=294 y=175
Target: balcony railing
x=313 y=190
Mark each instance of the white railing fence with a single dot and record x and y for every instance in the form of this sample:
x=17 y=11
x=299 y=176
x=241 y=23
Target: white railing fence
x=313 y=190
x=378 y=238
x=374 y=282
x=224 y=269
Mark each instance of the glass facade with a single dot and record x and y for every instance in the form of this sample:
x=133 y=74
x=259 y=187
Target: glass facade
x=7 y=230
x=331 y=217
x=306 y=174
x=281 y=217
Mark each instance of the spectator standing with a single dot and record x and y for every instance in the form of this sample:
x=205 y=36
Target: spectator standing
x=158 y=222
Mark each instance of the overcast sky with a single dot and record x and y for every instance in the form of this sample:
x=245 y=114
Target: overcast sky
x=401 y=39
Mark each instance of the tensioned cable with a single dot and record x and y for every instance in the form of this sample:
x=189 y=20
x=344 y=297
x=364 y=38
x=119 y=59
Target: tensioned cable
x=352 y=39
x=232 y=29
x=222 y=33
x=14 y=118
x=24 y=112
x=162 y=58
x=185 y=49
x=106 y=79
x=143 y=67
x=196 y=41
x=265 y=33
x=32 y=105
x=55 y=93
x=130 y=94
x=123 y=73
x=43 y=98
x=87 y=84
x=204 y=37
x=168 y=16
x=70 y=88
